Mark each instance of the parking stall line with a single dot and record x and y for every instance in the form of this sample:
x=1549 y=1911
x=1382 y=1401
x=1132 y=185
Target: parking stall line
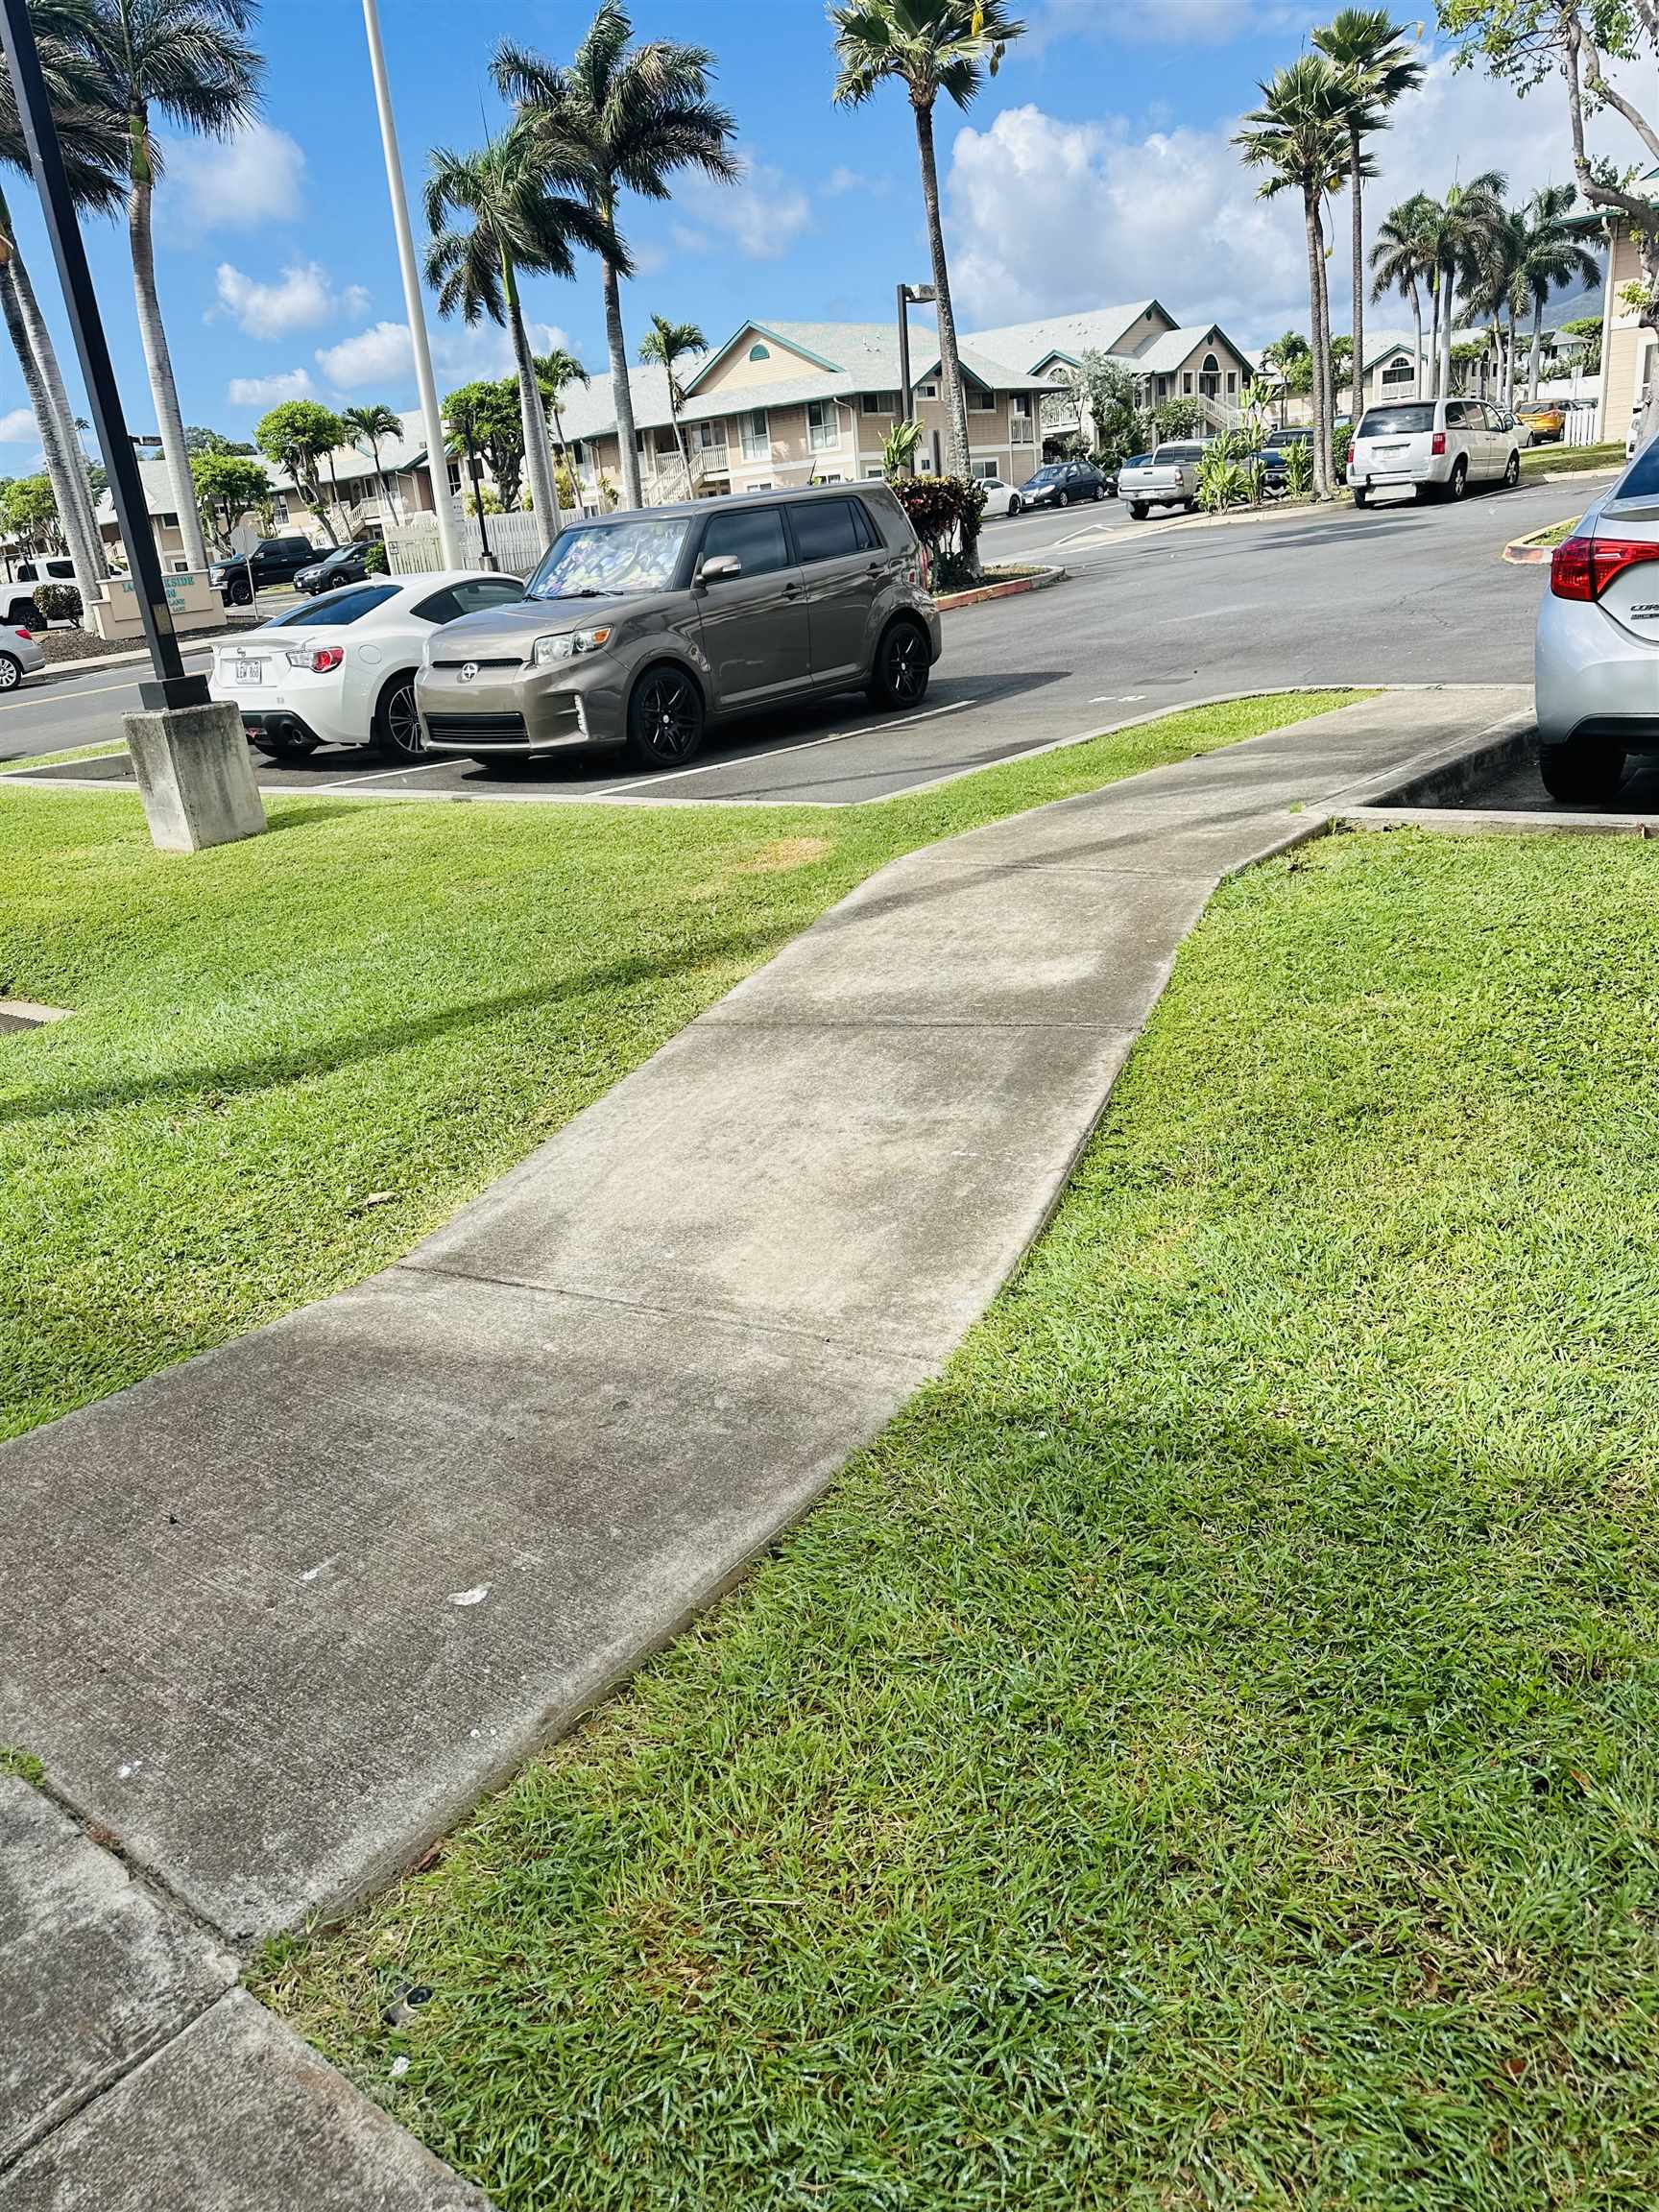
x=780 y=752
x=380 y=775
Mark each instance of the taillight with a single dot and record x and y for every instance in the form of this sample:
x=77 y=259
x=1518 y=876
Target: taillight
x=1583 y=567
x=320 y=659
x=27 y=636
x=1350 y=456
x=1437 y=444
x=926 y=568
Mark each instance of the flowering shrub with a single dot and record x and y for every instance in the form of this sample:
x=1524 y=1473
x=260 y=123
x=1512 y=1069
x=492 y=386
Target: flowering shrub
x=57 y=602
x=946 y=512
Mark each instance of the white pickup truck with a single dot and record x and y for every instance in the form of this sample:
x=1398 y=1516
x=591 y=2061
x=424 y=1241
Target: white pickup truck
x=1167 y=479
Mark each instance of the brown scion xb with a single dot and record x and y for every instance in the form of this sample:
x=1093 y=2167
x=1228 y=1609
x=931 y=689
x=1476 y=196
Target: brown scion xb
x=642 y=629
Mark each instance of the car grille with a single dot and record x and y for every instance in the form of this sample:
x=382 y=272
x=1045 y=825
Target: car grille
x=477 y=729
x=477 y=660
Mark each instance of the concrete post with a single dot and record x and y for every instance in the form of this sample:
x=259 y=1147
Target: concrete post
x=195 y=777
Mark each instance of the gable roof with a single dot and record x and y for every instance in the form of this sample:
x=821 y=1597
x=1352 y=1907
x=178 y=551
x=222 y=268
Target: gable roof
x=1066 y=337
x=797 y=337
x=1170 y=348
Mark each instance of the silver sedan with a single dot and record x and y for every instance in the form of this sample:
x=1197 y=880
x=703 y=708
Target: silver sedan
x=20 y=656
x=1598 y=648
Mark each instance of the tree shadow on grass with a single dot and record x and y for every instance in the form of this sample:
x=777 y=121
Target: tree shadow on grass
x=272 y=1070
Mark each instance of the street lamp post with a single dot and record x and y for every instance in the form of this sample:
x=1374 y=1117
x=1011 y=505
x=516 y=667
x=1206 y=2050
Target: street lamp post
x=414 y=306
x=189 y=754
x=910 y=296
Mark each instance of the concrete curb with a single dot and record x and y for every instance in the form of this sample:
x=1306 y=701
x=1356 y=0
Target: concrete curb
x=1522 y=553
x=1044 y=580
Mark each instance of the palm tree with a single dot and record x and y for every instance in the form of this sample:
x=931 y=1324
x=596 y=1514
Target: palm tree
x=1495 y=290
x=93 y=156
x=1299 y=136
x=1375 y=67
x=1287 y=353
x=1403 y=261
x=188 y=60
x=555 y=373
x=625 y=118
x=1463 y=225
x=1554 y=259
x=931 y=46
x=666 y=342
x=513 y=217
x=368 y=426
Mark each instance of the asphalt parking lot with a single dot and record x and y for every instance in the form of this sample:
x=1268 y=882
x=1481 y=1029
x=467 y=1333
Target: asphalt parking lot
x=1395 y=594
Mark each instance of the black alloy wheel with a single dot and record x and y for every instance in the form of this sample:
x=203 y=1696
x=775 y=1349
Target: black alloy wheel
x=398 y=733
x=901 y=668
x=664 y=718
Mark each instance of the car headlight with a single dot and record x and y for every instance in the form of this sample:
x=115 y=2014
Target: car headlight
x=568 y=645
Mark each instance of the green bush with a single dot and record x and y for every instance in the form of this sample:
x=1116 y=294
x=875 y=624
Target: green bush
x=374 y=560
x=57 y=602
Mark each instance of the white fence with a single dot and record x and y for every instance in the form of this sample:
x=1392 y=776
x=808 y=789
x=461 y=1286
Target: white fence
x=1583 y=427
x=517 y=542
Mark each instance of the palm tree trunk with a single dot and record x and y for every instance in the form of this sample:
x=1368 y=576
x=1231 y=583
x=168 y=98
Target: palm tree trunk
x=1358 y=240
x=537 y=460
x=51 y=440
x=158 y=360
x=1433 y=391
x=1315 y=290
x=1537 y=348
x=621 y=391
x=46 y=353
x=1417 y=349
x=1448 y=307
x=949 y=359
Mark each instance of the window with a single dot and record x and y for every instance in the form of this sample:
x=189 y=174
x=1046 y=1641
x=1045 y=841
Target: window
x=754 y=434
x=879 y=403
x=1458 y=415
x=1397 y=421
x=823 y=425
x=985 y=470
x=337 y=611
x=279 y=506
x=1232 y=380
x=753 y=535
x=1021 y=426
x=634 y=553
x=1400 y=371
x=874 y=472
x=760 y=352
x=709 y=438
x=979 y=401
x=454 y=478
x=639 y=442
x=475 y=596
x=928 y=391
x=167 y=521
x=1186 y=380
x=827 y=530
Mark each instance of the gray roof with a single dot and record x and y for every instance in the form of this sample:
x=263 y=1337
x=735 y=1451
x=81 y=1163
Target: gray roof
x=1171 y=348
x=1097 y=329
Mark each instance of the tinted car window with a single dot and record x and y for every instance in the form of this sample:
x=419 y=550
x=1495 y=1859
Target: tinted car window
x=869 y=536
x=823 y=530
x=754 y=537
x=335 y=612
x=1397 y=421
x=1641 y=479
x=1457 y=415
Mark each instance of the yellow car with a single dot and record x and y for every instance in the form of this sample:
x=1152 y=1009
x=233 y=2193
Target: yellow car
x=1546 y=420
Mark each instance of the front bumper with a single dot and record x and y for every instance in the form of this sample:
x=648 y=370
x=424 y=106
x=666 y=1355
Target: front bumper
x=1592 y=679
x=524 y=710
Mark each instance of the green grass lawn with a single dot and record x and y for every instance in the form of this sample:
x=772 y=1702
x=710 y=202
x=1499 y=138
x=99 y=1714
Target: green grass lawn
x=1557 y=533
x=1208 y=1754
x=291 y=1058
x=1571 y=459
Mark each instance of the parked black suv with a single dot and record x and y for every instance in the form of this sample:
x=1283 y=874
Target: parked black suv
x=346 y=564
x=273 y=560
x=1062 y=482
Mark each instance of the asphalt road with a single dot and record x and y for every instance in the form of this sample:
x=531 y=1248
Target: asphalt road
x=1403 y=594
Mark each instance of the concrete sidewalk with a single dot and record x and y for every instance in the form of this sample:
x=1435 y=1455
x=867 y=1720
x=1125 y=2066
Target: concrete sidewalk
x=276 y=1619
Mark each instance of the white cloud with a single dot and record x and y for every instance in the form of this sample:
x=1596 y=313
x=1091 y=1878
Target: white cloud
x=382 y=357
x=237 y=183
x=763 y=214
x=270 y=391
x=841 y=180
x=303 y=296
x=1049 y=215
x=18 y=427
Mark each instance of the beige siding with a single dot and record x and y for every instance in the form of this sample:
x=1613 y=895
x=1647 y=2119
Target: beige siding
x=737 y=373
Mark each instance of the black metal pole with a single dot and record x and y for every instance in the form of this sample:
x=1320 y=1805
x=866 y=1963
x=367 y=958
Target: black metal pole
x=478 y=499
x=172 y=687
x=905 y=399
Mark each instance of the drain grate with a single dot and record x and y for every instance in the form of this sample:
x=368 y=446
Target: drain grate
x=25 y=1014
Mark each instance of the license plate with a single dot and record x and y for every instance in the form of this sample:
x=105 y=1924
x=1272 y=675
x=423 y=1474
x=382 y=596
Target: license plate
x=1380 y=450
x=248 y=671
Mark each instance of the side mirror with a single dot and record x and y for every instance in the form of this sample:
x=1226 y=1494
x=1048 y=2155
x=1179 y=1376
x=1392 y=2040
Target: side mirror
x=719 y=569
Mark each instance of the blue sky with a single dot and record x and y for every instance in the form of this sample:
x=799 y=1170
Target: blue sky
x=1095 y=169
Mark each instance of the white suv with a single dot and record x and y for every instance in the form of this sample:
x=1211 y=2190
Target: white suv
x=1433 y=447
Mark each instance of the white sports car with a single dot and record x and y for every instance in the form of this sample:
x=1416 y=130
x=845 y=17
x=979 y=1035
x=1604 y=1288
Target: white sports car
x=341 y=669
x=999 y=498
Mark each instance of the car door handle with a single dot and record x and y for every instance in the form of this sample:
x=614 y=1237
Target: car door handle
x=793 y=590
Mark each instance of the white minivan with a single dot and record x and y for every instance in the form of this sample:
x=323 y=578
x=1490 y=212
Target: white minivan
x=1434 y=447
